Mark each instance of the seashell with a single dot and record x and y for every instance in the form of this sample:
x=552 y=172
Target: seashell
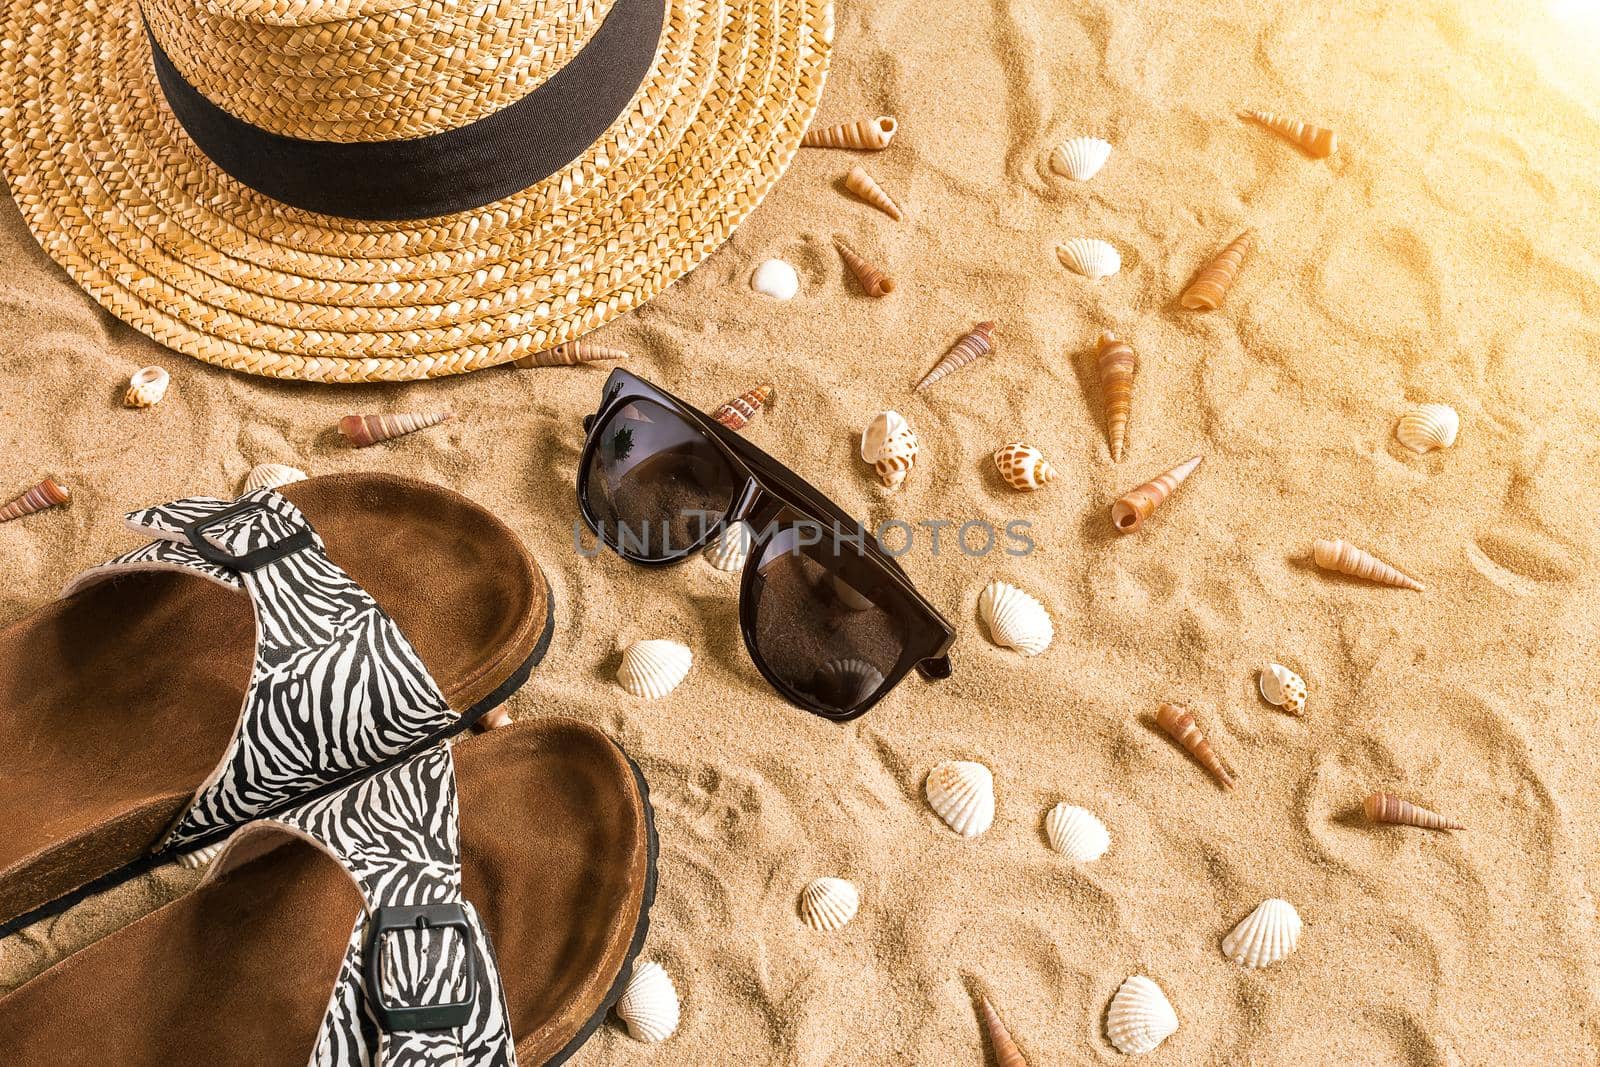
x=1346 y=558
x=737 y=413
x=652 y=669
x=1015 y=619
x=730 y=548
x=873 y=280
x=1431 y=426
x=974 y=344
x=847 y=681
x=47 y=494
x=1265 y=936
x=776 y=279
x=569 y=354
x=200 y=857
x=1090 y=257
x=1076 y=833
x=1140 y=1017
x=962 y=794
x=1134 y=506
x=1281 y=686
x=860 y=182
x=146 y=388
x=493 y=719
x=1211 y=285
x=1317 y=141
x=649 y=1004
x=1388 y=808
x=828 y=903
x=1180 y=725
x=365 y=430
x=1006 y=1053
x=1117 y=365
x=1080 y=158
x=1024 y=467
x=271 y=476
x=889 y=445
x=870 y=134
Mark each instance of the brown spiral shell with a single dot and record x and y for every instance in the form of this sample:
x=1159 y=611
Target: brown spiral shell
x=47 y=494
x=1209 y=287
x=1117 y=365
x=365 y=430
x=974 y=344
x=1317 y=142
x=737 y=413
x=568 y=355
x=860 y=182
x=873 y=280
x=1180 y=725
x=870 y=134
x=1388 y=808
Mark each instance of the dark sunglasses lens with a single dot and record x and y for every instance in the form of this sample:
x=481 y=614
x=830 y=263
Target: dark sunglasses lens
x=828 y=622
x=656 y=484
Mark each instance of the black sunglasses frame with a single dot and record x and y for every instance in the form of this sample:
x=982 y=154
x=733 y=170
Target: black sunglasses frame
x=769 y=488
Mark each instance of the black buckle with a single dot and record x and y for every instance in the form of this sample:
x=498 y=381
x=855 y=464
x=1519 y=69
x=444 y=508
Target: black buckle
x=250 y=560
x=420 y=1018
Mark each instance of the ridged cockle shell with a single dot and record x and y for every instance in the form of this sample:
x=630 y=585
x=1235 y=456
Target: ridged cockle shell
x=1080 y=158
x=962 y=794
x=652 y=669
x=1428 y=427
x=1265 y=936
x=1090 y=257
x=1140 y=1017
x=1015 y=619
x=649 y=1005
x=827 y=904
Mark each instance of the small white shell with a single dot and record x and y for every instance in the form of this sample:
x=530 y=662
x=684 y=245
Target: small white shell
x=649 y=1005
x=1015 y=619
x=1281 y=686
x=1080 y=158
x=652 y=669
x=1140 y=1016
x=776 y=279
x=1265 y=936
x=730 y=548
x=272 y=476
x=200 y=857
x=828 y=903
x=146 y=388
x=962 y=794
x=889 y=445
x=1076 y=833
x=1090 y=257
x=1431 y=426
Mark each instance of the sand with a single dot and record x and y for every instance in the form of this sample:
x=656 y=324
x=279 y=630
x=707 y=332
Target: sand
x=1446 y=253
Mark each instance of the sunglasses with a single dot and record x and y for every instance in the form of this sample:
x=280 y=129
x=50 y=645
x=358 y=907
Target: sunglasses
x=829 y=618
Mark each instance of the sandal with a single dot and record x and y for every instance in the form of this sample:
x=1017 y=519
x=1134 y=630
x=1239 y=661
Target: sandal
x=547 y=862
x=380 y=615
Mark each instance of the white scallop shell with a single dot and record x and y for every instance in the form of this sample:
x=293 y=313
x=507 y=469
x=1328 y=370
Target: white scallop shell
x=272 y=476
x=776 y=279
x=1015 y=619
x=146 y=388
x=1080 y=158
x=962 y=794
x=649 y=1005
x=200 y=857
x=1265 y=936
x=1140 y=1016
x=1431 y=426
x=828 y=903
x=1283 y=687
x=730 y=548
x=1090 y=257
x=1076 y=833
x=848 y=680
x=652 y=669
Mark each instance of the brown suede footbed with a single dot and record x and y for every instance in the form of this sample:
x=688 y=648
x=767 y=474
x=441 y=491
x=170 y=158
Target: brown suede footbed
x=120 y=700
x=555 y=848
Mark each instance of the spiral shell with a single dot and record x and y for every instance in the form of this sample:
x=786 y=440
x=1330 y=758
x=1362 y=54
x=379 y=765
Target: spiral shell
x=1117 y=365
x=649 y=1004
x=1281 y=686
x=889 y=445
x=1024 y=467
x=1346 y=558
x=569 y=354
x=1132 y=508
x=365 y=430
x=730 y=548
x=1317 y=142
x=1179 y=724
x=1015 y=619
x=1006 y=1053
x=860 y=182
x=1388 y=808
x=873 y=280
x=962 y=794
x=1211 y=285
x=1265 y=936
x=1140 y=1017
x=271 y=476
x=1430 y=426
x=1080 y=158
x=974 y=344
x=1076 y=833
x=1090 y=257
x=737 y=413
x=652 y=669
x=828 y=903
x=47 y=494
x=870 y=134
x=146 y=388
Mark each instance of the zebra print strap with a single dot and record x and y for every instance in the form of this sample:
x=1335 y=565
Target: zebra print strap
x=395 y=833
x=335 y=688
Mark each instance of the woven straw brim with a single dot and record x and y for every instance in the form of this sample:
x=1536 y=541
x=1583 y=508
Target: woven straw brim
x=115 y=192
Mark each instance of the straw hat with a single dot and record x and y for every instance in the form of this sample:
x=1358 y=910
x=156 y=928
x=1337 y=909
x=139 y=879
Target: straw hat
x=353 y=190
